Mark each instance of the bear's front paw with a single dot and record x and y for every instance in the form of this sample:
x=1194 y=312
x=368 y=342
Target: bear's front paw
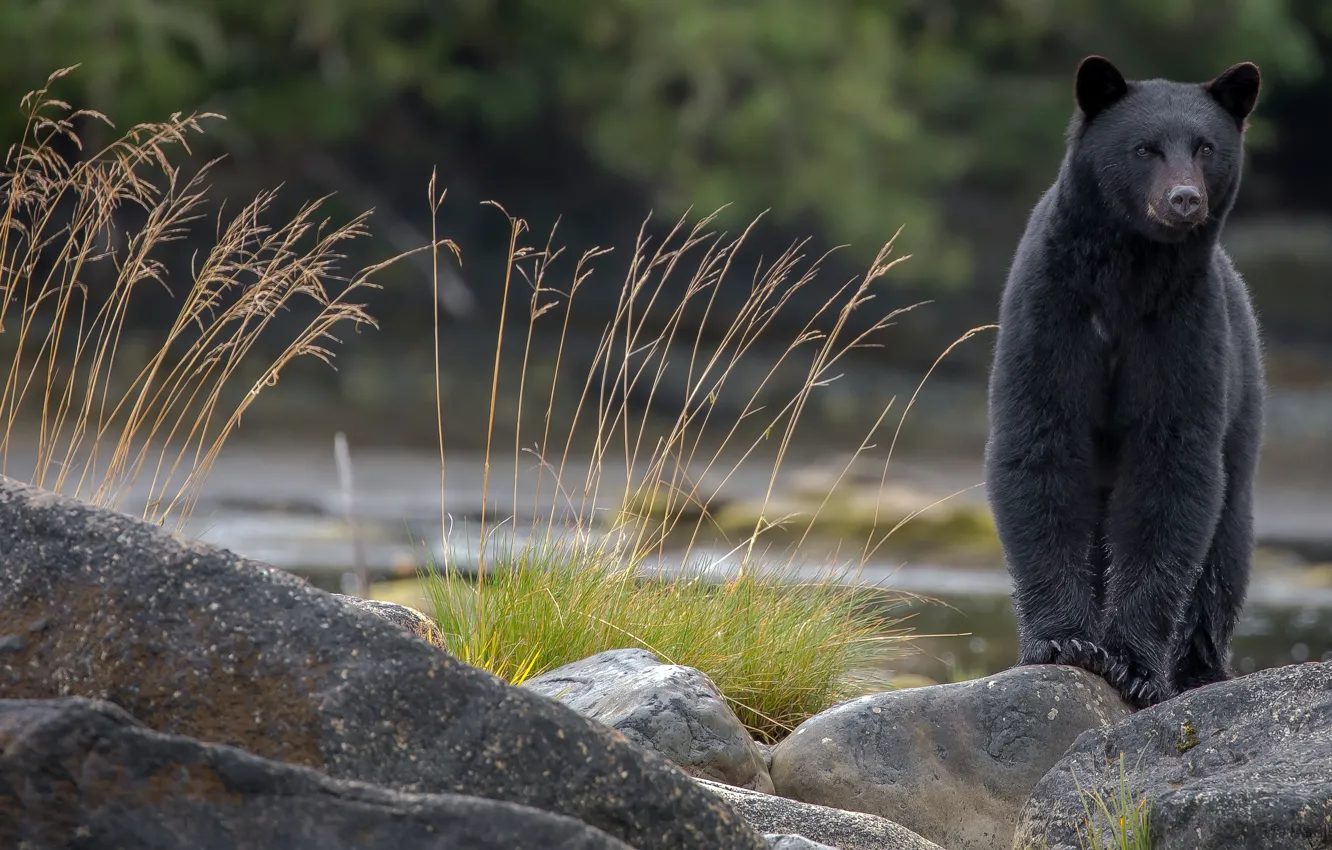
x=1073 y=652
x=1143 y=688
x=1089 y=656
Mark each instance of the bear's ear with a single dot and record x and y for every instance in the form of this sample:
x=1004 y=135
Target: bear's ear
x=1099 y=85
x=1237 y=90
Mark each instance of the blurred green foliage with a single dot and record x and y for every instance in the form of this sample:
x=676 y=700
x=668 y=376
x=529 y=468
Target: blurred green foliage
x=856 y=115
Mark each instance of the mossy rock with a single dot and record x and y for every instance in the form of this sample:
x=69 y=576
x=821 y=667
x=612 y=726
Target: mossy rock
x=1318 y=575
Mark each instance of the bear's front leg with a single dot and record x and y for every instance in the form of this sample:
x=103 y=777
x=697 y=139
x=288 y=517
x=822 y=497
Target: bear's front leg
x=1046 y=517
x=1045 y=394
x=1160 y=520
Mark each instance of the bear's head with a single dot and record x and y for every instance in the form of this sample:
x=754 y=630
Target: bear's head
x=1165 y=156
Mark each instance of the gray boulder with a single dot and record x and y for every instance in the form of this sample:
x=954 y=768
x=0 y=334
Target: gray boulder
x=83 y=773
x=400 y=615
x=782 y=819
x=1239 y=764
x=954 y=762
x=195 y=641
x=674 y=710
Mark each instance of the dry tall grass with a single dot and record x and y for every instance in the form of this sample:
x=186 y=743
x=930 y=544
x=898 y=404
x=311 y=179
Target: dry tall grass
x=780 y=645
x=675 y=476
x=70 y=270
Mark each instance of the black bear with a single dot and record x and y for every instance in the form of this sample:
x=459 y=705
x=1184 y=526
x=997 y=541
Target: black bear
x=1126 y=397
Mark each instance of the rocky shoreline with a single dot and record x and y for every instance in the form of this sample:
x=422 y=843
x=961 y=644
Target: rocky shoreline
x=156 y=691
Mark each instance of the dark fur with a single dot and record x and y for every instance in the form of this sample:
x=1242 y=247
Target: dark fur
x=1127 y=392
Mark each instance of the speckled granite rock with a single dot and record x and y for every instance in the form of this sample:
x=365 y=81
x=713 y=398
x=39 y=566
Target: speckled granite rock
x=1239 y=764
x=195 y=641
x=83 y=773
x=954 y=762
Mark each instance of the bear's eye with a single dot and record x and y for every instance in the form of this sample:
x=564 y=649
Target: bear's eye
x=1205 y=150
x=1143 y=150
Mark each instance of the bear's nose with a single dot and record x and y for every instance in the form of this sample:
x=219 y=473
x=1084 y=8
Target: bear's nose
x=1185 y=201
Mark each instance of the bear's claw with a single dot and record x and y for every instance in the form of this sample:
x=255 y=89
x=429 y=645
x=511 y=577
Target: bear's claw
x=1136 y=685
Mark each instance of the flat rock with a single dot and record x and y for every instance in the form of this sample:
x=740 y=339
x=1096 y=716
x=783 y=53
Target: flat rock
x=779 y=818
x=676 y=711
x=953 y=763
x=84 y=773
x=195 y=641
x=1244 y=764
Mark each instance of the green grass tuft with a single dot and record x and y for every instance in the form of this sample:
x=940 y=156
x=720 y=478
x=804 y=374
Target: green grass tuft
x=1116 y=818
x=778 y=648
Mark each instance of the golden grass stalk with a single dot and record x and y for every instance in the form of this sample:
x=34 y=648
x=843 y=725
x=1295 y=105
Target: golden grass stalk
x=678 y=470
x=81 y=236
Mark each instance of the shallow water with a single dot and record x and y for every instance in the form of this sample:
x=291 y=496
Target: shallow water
x=983 y=636
x=281 y=503
x=964 y=625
